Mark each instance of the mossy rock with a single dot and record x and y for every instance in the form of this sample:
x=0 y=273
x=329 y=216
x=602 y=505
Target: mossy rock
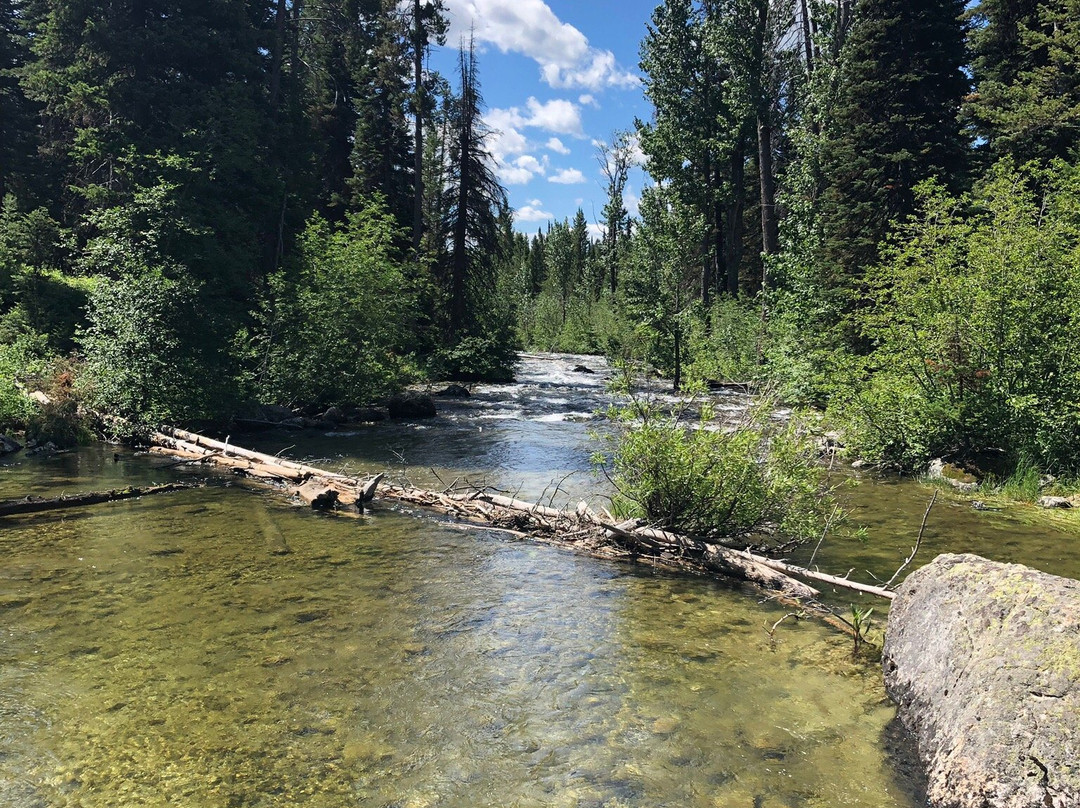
x=983 y=660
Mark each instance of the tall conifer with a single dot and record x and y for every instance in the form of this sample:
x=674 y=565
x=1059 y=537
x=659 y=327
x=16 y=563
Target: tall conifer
x=895 y=123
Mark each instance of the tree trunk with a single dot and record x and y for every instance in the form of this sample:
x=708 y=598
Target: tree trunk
x=770 y=231
x=677 y=382
x=278 y=59
x=734 y=235
x=19 y=507
x=808 y=41
x=418 y=133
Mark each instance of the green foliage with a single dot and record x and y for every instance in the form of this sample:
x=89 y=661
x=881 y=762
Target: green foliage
x=142 y=350
x=331 y=330
x=975 y=319
x=34 y=292
x=21 y=360
x=728 y=346
x=491 y=359
x=860 y=626
x=1024 y=483
x=757 y=482
x=660 y=283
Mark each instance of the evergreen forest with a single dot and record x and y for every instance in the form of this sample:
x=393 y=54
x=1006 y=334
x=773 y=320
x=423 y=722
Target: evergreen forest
x=870 y=207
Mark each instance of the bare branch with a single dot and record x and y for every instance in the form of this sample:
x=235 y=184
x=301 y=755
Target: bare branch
x=918 y=542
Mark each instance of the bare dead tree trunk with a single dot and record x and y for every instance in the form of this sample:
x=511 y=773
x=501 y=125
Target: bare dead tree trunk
x=418 y=131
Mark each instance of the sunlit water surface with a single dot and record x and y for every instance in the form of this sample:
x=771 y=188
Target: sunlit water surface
x=159 y=652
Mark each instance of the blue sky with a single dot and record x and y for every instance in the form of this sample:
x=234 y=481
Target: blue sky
x=556 y=76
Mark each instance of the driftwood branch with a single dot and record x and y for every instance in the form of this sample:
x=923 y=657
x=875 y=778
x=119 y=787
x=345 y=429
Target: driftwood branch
x=19 y=507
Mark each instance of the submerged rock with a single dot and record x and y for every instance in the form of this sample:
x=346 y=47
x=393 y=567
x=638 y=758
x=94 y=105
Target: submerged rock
x=8 y=445
x=583 y=369
x=1055 y=502
x=411 y=405
x=983 y=660
x=454 y=391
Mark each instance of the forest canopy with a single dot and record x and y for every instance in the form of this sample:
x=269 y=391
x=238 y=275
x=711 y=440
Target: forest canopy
x=871 y=205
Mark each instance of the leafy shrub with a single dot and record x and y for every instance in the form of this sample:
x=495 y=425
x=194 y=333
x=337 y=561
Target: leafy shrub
x=489 y=359
x=730 y=348
x=144 y=359
x=332 y=327
x=975 y=323
x=756 y=476
x=20 y=361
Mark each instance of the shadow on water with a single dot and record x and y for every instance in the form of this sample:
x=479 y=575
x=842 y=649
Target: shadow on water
x=218 y=648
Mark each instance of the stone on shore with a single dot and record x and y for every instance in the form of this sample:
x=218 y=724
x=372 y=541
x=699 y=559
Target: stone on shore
x=983 y=660
x=8 y=445
x=411 y=405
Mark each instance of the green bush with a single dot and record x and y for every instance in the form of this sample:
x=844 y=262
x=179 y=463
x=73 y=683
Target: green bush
x=757 y=482
x=473 y=359
x=730 y=348
x=332 y=327
x=145 y=357
x=975 y=322
x=20 y=361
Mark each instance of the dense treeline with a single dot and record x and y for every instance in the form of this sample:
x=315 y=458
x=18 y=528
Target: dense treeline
x=212 y=204
x=872 y=205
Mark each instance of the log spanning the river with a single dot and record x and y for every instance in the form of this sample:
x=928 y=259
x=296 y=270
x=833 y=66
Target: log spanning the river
x=581 y=529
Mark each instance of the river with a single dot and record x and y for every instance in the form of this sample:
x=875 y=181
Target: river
x=158 y=653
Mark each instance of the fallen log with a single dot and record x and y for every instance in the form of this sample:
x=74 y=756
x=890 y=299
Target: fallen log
x=321 y=489
x=20 y=507
x=834 y=580
x=582 y=528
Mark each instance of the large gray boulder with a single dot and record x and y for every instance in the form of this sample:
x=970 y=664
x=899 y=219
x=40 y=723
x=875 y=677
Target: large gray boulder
x=8 y=445
x=983 y=660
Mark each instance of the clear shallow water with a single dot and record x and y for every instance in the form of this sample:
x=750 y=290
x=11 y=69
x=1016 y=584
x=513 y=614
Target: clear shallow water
x=157 y=652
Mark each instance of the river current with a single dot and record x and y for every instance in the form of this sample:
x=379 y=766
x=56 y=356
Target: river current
x=159 y=652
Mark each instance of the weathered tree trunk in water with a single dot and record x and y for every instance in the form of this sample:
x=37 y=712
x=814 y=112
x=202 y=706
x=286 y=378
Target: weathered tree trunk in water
x=582 y=529
x=20 y=507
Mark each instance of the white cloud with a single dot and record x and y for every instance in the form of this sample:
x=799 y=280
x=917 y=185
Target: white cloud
x=557 y=115
x=568 y=176
x=556 y=145
x=631 y=201
x=505 y=141
x=587 y=100
x=521 y=170
x=532 y=213
x=531 y=28
x=596 y=231
x=599 y=71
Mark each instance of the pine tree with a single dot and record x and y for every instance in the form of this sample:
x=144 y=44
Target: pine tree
x=894 y=124
x=475 y=200
x=615 y=160
x=18 y=142
x=428 y=23
x=1026 y=67
x=692 y=141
